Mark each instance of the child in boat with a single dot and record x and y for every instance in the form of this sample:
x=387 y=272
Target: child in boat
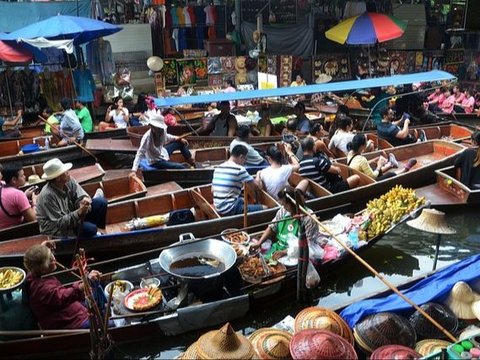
x=469 y=164
x=357 y=161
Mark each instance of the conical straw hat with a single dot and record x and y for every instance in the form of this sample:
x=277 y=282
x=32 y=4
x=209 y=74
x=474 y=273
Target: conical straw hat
x=270 y=343
x=224 y=344
x=432 y=221
x=430 y=346
x=460 y=300
x=155 y=63
x=190 y=353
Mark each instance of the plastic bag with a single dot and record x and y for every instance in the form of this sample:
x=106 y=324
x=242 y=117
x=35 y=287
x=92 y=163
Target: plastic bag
x=313 y=278
x=127 y=93
x=123 y=76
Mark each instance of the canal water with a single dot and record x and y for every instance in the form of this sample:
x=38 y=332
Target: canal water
x=401 y=255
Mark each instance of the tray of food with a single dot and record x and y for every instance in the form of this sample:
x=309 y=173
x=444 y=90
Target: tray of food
x=235 y=236
x=143 y=299
x=120 y=287
x=254 y=272
x=11 y=278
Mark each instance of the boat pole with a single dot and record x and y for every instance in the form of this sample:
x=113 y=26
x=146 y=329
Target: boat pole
x=437 y=250
x=383 y=279
x=245 y=204
x=75 y=142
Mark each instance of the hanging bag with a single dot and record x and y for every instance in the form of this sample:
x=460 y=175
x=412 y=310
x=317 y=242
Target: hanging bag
x=123 y=76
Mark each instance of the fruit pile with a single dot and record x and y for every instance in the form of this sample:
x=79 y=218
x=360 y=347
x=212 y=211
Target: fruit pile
x=388 y=209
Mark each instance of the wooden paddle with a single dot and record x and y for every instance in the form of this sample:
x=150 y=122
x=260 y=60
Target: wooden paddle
x=75 y=142
x=385 y=281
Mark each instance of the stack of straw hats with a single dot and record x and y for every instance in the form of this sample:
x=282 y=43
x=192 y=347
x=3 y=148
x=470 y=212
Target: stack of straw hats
x=271 y=343
x=320 y=344
x=461 y=301
x=396 y=352
x=430 y=346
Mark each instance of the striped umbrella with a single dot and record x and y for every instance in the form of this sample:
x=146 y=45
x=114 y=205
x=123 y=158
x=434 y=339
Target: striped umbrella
x=366 y=29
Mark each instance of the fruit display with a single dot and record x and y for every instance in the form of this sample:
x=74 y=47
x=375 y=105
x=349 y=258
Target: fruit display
x=388 y=209
x=10 y=277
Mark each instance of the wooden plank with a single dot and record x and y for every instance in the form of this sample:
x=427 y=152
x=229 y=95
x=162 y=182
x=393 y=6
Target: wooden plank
x=116 y=145
x=165 y=188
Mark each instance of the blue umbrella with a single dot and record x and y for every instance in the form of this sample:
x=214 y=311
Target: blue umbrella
x=80 y=29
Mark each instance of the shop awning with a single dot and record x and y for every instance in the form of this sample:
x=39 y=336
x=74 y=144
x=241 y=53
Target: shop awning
x=430 y=76
x=14 y=53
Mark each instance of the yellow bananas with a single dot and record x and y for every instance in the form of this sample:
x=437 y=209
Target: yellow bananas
x=9 y=278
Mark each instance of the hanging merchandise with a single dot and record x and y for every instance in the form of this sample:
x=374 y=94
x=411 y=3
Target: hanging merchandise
x=214 y=65
x=186 y=72
x=285 y=70
x=100 y=60
x=170 y=72
x=122 y=77
x=200 y=66
x=335 y=66
x=84 y=84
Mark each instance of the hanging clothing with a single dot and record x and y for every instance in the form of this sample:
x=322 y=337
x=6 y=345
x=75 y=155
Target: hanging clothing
x=100 y=59
x=173 y=14
x=182 y=39
x=211 y=15
x=191 y=13
x=175 y=37
x=180 y=16
x=186 y=16
x=84 y=85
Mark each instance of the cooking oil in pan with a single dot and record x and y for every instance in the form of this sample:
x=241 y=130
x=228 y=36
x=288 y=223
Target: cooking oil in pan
x=197 y=266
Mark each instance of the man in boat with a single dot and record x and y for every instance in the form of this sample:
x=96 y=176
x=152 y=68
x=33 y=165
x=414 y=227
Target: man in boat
x=84 y=116
x=8 y=127
x=227 y=183
x=390 y=130
x=71 y=130
x=253 y=157
x=64 y=208
x=16 y=206
x=54 y=305
x=223 y=124
x=157 y=145
x=469 y=164
x=320 y=169
x=303 y=123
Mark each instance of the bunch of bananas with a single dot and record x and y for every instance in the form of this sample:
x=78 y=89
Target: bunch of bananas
x=389 y=208
x=9 y=278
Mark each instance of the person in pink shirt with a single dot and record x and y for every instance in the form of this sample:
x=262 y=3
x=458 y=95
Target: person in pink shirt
x=448 y=103
x=15 y=206
x=459 y=97
x=468 y=102
x=230 y=88
x=435 y=100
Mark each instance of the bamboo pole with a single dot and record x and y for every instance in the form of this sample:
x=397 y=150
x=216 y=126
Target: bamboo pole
x=385 y=281
x=43 y=332
x=245 y=205
x=74 y=141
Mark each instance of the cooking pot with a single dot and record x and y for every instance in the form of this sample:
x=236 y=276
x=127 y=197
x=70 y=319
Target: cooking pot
x=188 y=248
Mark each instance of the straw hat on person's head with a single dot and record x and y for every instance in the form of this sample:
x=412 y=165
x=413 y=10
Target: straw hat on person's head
x=271 y=343
x=432 y=221
x=323 y=78
x=158 y=121
x=33 y=179
x=155 y=63
x=53 y=168
x=224 y=344
x=460 y=301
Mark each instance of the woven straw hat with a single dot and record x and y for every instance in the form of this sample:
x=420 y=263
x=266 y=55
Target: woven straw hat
x=323 y=78
x=394 y=352
x=430 y=346
x=320 y=344
x=53 y=168
x=190 y=353
x=33 y=179
x=476 y=309
x=155 y=63
x=432 y=221
x=460 y=301
x=270 y=343
x=323 y=319
x=224 y=344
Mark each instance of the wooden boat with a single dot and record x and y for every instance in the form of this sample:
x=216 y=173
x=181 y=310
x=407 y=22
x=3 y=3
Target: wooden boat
x=190 y=317
x=109 y=133
x=27 y=132
x=119 y=189
x=465 y=119
x=448 y=190
x=83 y=175
x=119 y=240
x=11 y=151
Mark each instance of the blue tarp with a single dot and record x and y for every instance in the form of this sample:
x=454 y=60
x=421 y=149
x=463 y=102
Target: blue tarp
x=434 y=287
x=435 y=75
x=16 y=15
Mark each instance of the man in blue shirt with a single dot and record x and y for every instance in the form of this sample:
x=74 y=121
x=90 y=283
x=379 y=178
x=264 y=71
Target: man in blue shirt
x=303 y=124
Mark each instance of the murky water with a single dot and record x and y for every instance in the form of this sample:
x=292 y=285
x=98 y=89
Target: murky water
x=403 y=254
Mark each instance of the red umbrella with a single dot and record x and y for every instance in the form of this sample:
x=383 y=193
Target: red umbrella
x=15 y=53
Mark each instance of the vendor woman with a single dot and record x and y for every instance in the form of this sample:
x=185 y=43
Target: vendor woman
x=54 y=305
x=284 y=229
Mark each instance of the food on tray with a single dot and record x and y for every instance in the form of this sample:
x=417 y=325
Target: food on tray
x=240 y=250
x=120 y=286
x=237 y=237
x=146 y=299
x=9 y=278
x=252 y=268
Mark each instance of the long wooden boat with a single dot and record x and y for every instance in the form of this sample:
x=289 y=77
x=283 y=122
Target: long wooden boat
x=189 y=317
x=465 y=119
x=89 y=173
x=448 y=190
x=27 y=132
x=11 y=151
x=109 y=133
x=119 y=189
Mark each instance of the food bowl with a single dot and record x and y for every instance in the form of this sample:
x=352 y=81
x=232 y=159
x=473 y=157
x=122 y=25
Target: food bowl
x=11 y=278
x=235 y=236
x=145 y=283
x=127 y=287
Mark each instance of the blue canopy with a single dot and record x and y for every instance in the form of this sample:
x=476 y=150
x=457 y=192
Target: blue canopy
x=80 y=29
x=431 y=288
x=435 y=75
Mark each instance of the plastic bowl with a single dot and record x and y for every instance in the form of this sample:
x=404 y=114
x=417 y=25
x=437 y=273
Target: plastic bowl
x=230 y=232
x=145 y=283
x=128 y=287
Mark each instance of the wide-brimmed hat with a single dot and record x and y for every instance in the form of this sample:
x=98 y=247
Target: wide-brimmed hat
x=323 y=78
x=155 y=63
x=432 y=221
x=323 y=319
x=430 y=346
x=394 y=352
x=271 y=343
x=224 y=344
x=158 y=121
x=320 y=344
x=53 y=168
x=190 y=353
x=460 y=301
x=33 y=179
